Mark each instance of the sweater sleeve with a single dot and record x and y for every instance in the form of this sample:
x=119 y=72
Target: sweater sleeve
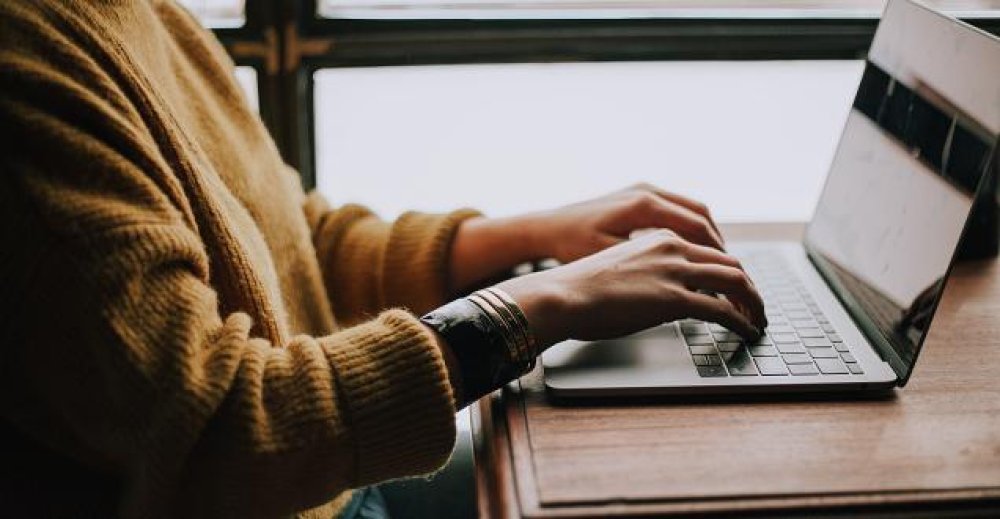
x=369 y=264
x=116 y=354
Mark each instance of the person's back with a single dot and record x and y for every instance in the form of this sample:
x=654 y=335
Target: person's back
x=161 y=275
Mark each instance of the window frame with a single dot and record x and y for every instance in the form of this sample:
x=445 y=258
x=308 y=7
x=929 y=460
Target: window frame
x=256 y=44
x=287 y=41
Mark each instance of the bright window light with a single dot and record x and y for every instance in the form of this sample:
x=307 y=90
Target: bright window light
x=247 y=78
x=752 y=139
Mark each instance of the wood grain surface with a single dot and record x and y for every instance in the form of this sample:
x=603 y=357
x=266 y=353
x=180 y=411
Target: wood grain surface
x=933 y=445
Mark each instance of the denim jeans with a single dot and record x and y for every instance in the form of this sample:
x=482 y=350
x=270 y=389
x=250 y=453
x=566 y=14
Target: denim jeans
x=366 y=503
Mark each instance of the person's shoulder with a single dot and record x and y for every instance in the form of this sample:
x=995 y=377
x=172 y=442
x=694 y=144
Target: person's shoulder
x=47 y=24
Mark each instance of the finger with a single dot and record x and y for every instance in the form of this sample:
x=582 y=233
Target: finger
x=731 y=282
x=688 y=203
x=720 y=311
x=639 y=233
x=688 y=224
x=701 y=254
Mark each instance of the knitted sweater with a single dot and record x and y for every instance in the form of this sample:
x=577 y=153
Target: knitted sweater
x=170 y=341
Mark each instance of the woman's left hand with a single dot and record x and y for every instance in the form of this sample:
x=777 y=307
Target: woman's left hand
x=485 y=247
x=581 y=229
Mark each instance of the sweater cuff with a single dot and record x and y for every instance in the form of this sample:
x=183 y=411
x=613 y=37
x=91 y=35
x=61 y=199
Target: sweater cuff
x=394 y=385
x=417 y=261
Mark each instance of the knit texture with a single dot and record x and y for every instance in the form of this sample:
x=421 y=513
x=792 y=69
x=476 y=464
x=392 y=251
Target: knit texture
x=173 y=336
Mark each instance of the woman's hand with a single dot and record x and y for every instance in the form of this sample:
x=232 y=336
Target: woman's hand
x=652 y=279
x=581 y=229
x=485 y=247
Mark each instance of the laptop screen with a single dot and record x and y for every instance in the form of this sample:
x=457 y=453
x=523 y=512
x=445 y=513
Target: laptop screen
x=918 y=142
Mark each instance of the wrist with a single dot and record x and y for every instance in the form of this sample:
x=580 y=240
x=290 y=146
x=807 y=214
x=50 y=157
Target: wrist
x=486 y=247
x=534 y=232
x=544 y=304
x=526 y=236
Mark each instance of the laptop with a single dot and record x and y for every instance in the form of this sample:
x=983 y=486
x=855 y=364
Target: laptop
x=850 y=305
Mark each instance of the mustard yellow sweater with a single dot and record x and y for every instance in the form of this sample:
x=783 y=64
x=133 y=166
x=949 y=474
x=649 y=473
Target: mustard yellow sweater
x=173 y=331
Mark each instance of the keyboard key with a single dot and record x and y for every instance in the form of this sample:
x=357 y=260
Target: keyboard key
x=693 y=328
x=712 y=327
x=780 y=329
x=855 y=368
x=841 y=347
x=729 y=346
x=779 y=338
x=790 y=348
x=799 y=316
x=848 y=358
x=702 y=339
x=740 y=364
x=828 y=328
x=835 y=338
x=811 y=333
x=798 y=325
x=763 y=351
x=770 y=366
x=706 y=360
x=763 y=341
x=812 y=342
x=797 y=358
x=823 y=353
x=711 y=371
x=803 y=369
x=702 y=350
x=831 y=366
x=726 y=336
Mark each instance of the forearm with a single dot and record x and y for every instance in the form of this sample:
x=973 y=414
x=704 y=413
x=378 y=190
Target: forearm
x=369 y=265
x=487 y=247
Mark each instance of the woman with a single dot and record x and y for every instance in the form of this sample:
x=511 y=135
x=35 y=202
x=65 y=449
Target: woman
x=188 y=333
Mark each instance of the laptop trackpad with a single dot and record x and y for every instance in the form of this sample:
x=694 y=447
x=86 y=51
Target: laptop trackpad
x=655 y=348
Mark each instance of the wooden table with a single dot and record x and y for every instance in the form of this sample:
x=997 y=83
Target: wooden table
x=931 y=447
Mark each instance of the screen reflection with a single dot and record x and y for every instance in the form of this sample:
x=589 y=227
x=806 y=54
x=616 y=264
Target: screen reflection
x=896 y=202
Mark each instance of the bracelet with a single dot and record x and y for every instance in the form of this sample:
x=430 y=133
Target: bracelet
x=514 y=320
x=529 y=338
x=490 y=338
x=506 y=324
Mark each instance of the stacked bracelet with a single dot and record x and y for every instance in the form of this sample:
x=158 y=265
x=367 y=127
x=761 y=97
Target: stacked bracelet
x=490 y=337
x=505 y=313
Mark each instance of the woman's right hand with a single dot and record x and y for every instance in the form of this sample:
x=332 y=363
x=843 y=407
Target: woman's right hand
x=652 y=279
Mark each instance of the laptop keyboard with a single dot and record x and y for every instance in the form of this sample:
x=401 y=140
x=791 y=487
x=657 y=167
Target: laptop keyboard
x=799 y=340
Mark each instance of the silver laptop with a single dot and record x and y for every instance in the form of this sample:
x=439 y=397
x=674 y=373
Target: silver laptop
x=849 y=306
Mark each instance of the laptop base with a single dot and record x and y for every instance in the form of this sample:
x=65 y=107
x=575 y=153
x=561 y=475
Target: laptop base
x=657 y=361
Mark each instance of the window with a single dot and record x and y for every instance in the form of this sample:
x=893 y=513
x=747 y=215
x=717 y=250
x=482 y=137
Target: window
x=752 y=139
x=543 y=9
x=296 y=50
x=217 y=14
x=247 y=78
